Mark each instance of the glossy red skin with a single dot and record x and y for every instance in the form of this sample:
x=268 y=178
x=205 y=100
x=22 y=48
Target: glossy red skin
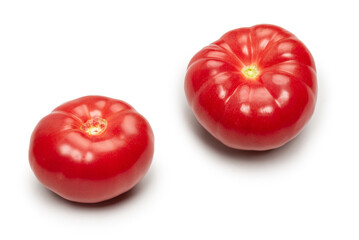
x=89 y=169
x=248 y=114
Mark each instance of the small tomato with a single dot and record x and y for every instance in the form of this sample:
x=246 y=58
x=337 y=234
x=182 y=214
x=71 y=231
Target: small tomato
x=91 y=149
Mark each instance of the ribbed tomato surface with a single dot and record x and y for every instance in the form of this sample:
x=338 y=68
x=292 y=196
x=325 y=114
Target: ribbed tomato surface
x=253 y=89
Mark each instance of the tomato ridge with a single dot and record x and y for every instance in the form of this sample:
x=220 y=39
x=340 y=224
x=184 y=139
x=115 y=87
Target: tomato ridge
x=240 y=84
x=207 y=83
x=290 y=61
x=295 y=79
x=68 y=114
x=230 y=52
x=209 y=59
x=269 y=46
x=251 y=46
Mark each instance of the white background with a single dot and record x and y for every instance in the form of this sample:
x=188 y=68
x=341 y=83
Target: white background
x=138 y=51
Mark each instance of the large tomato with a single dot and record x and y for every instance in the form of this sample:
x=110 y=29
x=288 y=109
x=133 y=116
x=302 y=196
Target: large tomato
x=254 y=88
x=91 y=149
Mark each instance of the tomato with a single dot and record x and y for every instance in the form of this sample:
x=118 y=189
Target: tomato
x=91 y=149
x=253 y=89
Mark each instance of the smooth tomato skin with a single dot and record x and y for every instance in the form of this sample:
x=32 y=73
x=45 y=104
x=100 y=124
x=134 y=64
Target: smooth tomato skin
x=253 y=114
x=91 y=168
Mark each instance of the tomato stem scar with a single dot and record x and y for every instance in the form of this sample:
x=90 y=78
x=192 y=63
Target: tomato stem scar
x=94 y=126
x=250 y=71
